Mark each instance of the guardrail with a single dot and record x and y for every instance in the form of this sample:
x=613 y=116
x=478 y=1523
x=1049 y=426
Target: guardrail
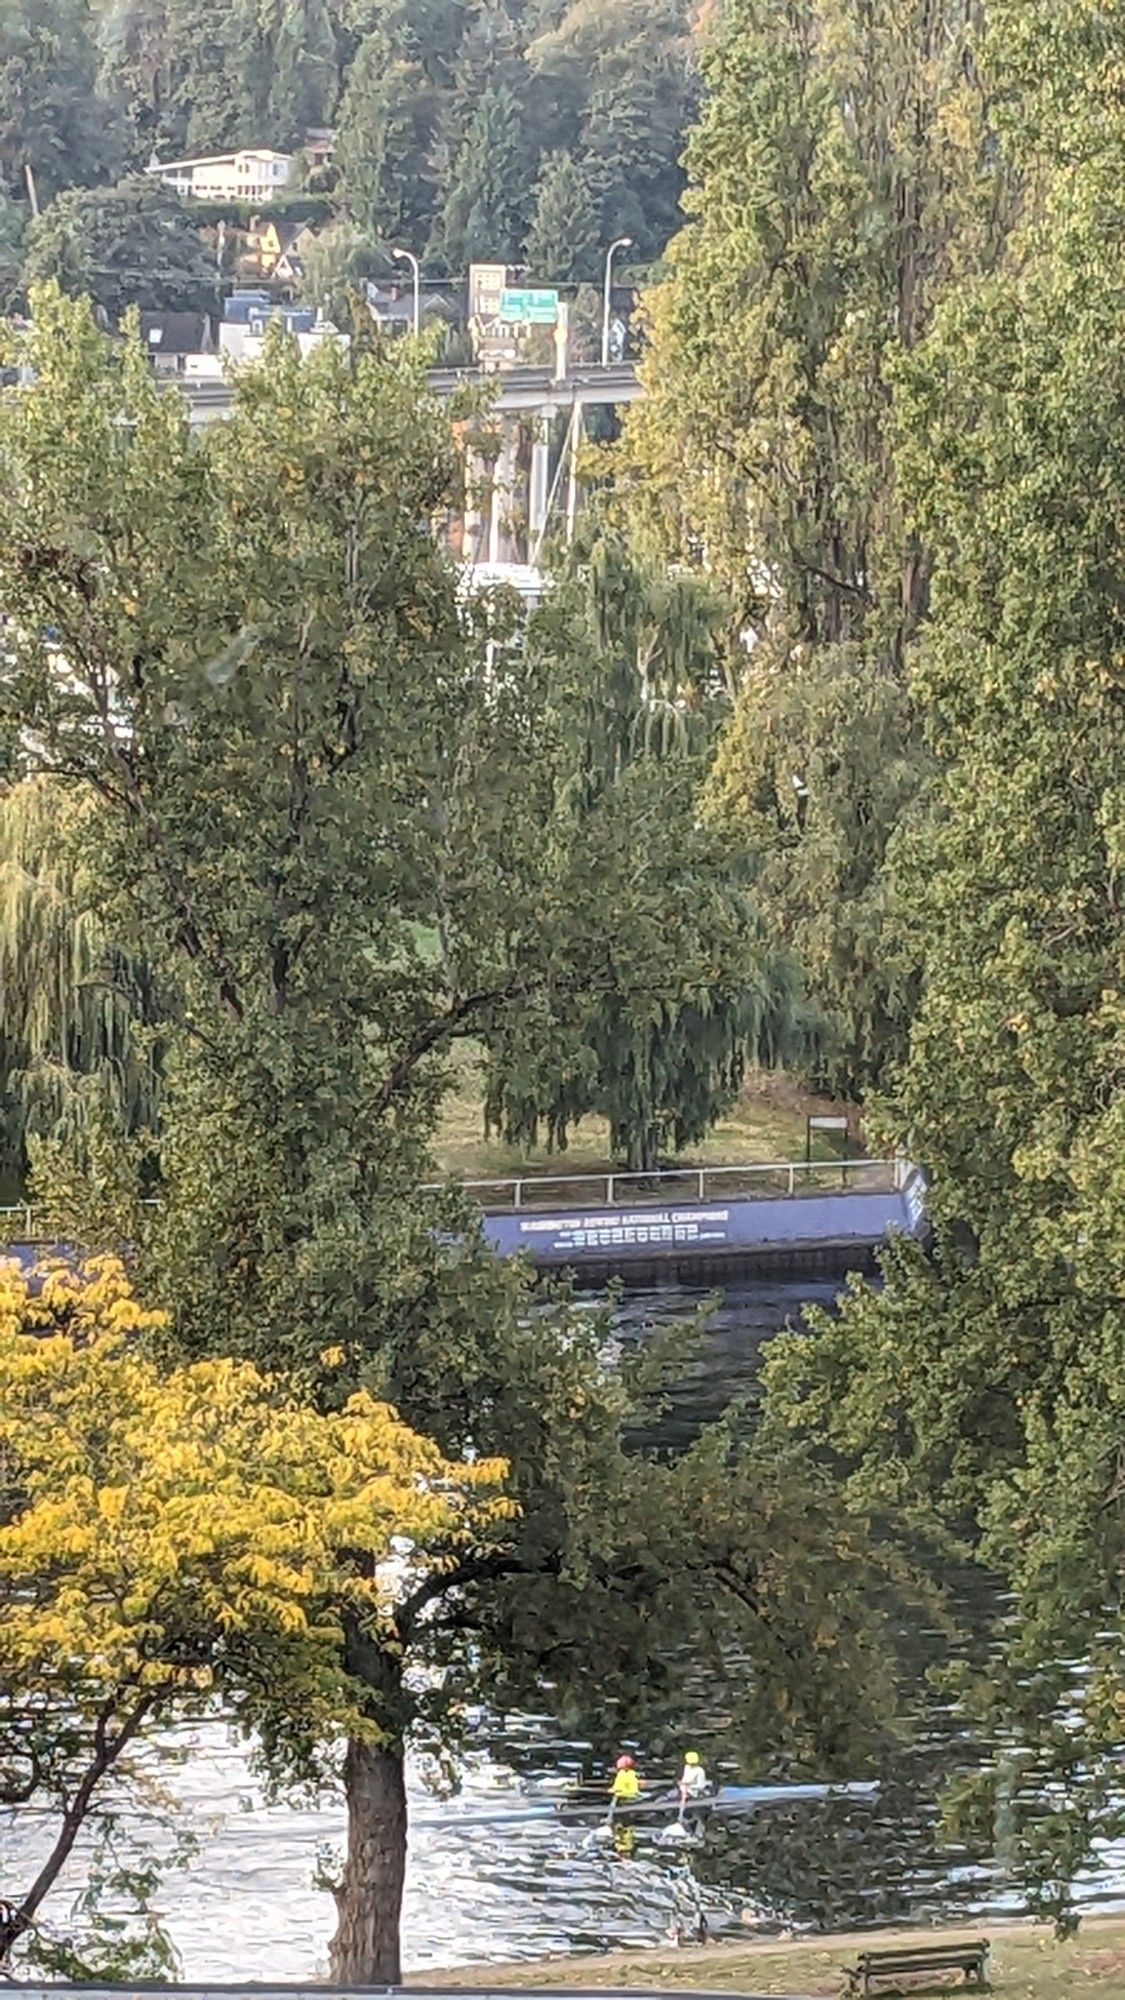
x=701 y=1184
x=797 y=1178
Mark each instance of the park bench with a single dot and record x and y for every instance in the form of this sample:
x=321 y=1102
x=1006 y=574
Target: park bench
x=918 y=1961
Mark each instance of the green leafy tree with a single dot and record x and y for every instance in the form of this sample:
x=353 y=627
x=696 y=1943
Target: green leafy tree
x=345 y=844
x=484 y=206
x=132 y=245
x=385 y=147
x=337 y=266
x=983 y=1386
x=648 y=709
x=189 y=74
x=69 y=1004
x=12 y=219
x=53 y=117
x=562 y=243
x=303 y=76
x=614 y=85
x=842 y=174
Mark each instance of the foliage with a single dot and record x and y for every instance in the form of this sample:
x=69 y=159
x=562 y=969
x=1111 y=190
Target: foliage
x=483 y=216
x=69 y=1004
x=342 y=818
x=390 y=122
x=817 y=770
x=562 y=242
x=136 y=244
x=612 y=84
x=11 y=253
x=53 y=115
x=166 y=1538
x=661 y=1072
x=984 y=1386
x=337 y=265
x=842 y=176
x=195 y=78
x=88 y=89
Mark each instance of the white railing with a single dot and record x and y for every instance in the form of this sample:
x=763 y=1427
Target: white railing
x=614 y=1190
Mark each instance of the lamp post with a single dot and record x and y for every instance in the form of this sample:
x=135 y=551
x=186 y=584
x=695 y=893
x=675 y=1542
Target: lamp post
x=408 y=257
x=620 y=243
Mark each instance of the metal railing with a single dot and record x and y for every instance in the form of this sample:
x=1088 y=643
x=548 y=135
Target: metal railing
x=701 y=1184
x=619 y=1190
x=16 y=1220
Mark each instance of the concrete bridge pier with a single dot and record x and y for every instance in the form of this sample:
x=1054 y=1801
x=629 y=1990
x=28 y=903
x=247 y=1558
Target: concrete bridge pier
x=501 y=522
x=540 y=483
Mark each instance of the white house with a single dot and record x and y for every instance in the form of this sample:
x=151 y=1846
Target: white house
x=256 y=173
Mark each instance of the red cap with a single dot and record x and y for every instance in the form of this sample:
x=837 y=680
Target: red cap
x=625 y=1763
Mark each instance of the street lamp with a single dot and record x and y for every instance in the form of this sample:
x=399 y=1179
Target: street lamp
x=621 y=243
x=408 y=257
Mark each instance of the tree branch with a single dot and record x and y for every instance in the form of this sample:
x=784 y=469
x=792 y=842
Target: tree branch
x=16 y=1918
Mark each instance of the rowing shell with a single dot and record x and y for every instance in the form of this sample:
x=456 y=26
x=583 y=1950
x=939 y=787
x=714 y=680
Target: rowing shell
x=730 y=1799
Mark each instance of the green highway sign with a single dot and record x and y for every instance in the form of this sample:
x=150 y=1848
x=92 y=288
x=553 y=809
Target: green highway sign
x=535 y=307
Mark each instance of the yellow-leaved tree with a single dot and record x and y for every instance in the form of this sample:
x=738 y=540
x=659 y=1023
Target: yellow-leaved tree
x=172 y=1537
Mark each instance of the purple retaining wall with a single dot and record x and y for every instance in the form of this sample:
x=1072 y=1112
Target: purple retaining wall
x=789 y=1223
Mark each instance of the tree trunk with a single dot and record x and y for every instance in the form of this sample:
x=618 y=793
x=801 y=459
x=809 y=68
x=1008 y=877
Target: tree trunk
x=366 y=1949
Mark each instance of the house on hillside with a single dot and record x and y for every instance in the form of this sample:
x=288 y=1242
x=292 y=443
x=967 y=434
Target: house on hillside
x=255 y=173
x=392 y=306
x=274 y=250
x=171 y=337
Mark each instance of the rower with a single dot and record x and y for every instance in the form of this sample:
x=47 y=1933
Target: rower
x=694 y=1789
x=626 y=1787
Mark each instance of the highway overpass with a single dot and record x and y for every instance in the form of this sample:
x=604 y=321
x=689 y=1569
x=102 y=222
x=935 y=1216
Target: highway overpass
x=535 y=391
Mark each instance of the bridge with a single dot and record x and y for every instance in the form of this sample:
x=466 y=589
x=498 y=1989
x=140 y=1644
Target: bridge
x=508 y=391
x=513 y=492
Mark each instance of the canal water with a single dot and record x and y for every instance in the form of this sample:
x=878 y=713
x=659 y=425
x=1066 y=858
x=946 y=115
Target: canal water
x=486 y=1881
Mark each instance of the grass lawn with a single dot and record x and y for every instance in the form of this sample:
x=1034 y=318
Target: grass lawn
x=1027 y=1964
x=767 y=1124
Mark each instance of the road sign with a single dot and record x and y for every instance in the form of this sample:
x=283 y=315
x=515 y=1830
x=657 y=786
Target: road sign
x=532 y=306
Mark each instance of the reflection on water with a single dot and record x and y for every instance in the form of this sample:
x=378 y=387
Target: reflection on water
x=484 y=1883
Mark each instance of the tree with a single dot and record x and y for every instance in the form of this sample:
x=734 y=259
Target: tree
x=11 y=252
x=193 y=76
x=387 y=127
x=392 y=142
x=562 y=243
x=132 y=245
x=817 y=771
x=69 y=1004
x=53 y=117
x=614 y=85
x=655 y=695
x=337 y=267
x=842 y=174
x=345 y=843
x=303 y=79
x=483 y=214
x=983 y=1385
x=170 y=1538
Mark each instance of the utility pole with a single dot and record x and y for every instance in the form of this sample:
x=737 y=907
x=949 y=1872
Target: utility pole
x=621 y=243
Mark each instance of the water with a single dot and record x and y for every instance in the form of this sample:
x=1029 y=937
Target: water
x=484 y=1883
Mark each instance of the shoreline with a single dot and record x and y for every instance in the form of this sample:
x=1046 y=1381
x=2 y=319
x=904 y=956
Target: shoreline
x=1028 y=1962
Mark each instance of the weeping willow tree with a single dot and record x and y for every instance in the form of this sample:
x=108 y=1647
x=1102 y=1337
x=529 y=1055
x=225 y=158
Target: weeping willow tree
x=642 y=688
x=70 y=1003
